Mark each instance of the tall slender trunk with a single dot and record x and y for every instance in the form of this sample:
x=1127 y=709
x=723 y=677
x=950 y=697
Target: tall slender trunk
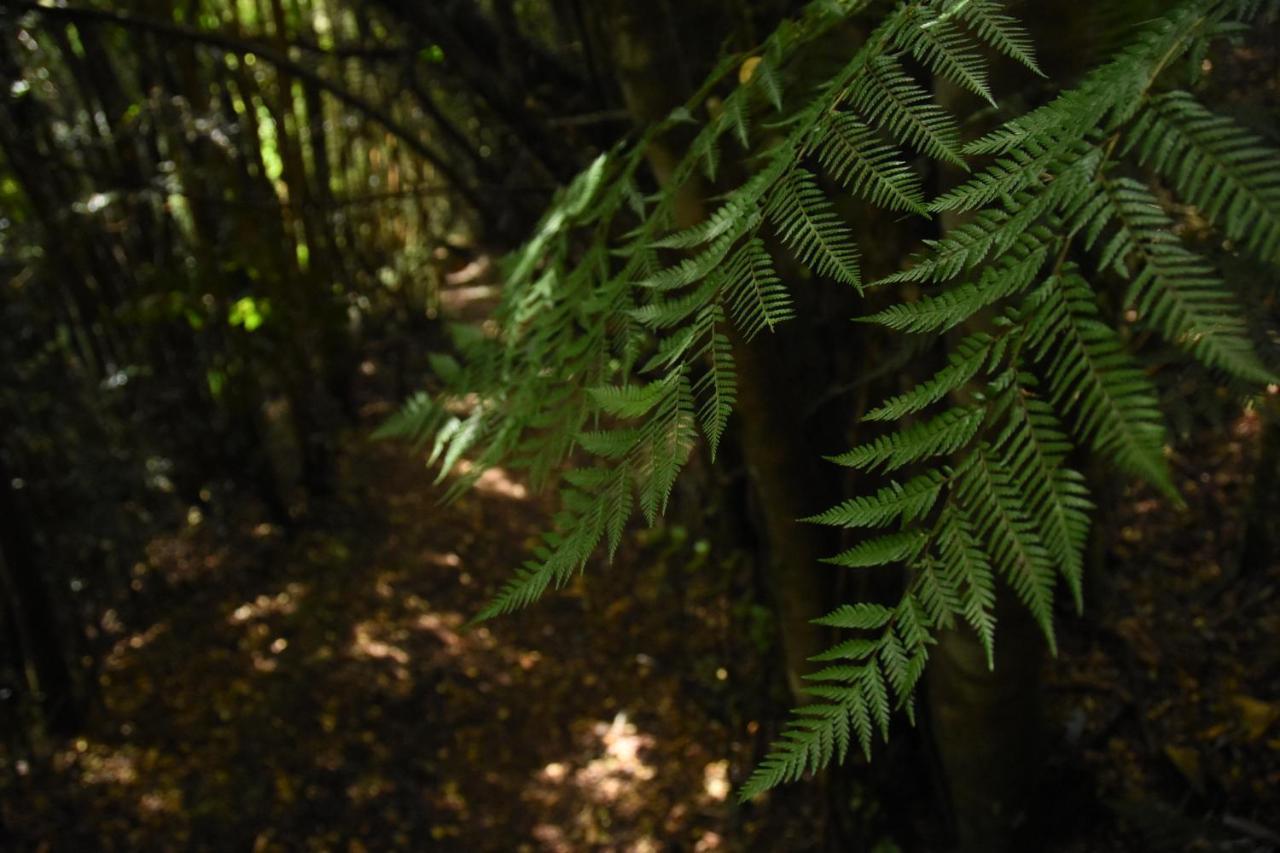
x=45 y=653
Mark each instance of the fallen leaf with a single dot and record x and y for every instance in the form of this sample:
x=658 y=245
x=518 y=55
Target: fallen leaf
x=1258 y=716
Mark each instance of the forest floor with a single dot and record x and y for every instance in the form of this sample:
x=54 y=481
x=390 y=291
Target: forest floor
x=322 y=692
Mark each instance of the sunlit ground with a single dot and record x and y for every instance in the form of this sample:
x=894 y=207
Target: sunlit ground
x=327 y=693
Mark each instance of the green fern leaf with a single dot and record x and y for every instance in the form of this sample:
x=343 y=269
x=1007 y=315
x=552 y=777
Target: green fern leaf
x=1224 y=170
x=1033 y=448
x=1089 y=372
x=756 y=297
x=807 y=223
x=907 y=502
x=890 y=548
x=991 y=495
x=967 y=571
x=969 y=357
x=942 y=434
x=1174 y=289
x=946 y=50
x=719 y=385
x=955 y=305
x=853 y=156
x=862 y=615
x=892 y=100
x=1003 y=32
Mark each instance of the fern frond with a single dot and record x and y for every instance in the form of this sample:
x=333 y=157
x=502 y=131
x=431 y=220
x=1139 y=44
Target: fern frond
x=863 y=615
x=808 y=224
x=577 y=530
x=966 y=570
x=906 y=501
x=719 y=385
x=1002 y=32
x=852 y=154
x=969 y=357
x=1033 y=448
x=938 y=313
x=700 y=265
x=892 y=100
x=666 y=313
x=416 y=421
x=727 y=217
x=942 y=434
x=850 y=699
x=1090 y=373
x=631 y=401
x=666 y=441
x=993 y=231
x=1176 y=290
x=756 y=297
x=1029 y=167
x=947 y=51
x=890 y=548
x=991 y=495
x=1224 y=170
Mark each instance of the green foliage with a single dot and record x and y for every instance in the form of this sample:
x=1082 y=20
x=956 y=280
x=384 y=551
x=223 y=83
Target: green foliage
x=629 y=343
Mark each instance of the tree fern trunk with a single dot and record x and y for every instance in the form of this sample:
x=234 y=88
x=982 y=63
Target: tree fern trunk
x=986 y=727
x=652 y=77
x=985 y=722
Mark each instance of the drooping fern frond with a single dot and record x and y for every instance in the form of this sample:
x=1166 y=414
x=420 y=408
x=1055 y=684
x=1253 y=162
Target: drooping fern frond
x=807 y=222
x=905 y=501
x=956 y=304
x=1001 y=31
x=610 y=354
x=1034 y=444
x=1226 y=171
x=1174 y=289
x=898 y=104
x=942 y=434
x=719 y=385
x=756 y=296
x=853 y=698
x=1008 y=505
x=1091 y=375
x=852 y=154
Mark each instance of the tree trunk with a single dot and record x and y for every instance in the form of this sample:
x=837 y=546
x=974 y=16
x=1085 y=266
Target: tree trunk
x=986 y=726
x=653 y=79
x=44 y=653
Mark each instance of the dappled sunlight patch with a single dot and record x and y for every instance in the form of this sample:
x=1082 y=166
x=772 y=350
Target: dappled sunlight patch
x=100 y=766
x=189 y=555
x=610 y=783
x=444 y=626
x=494 y=481
x=368 y=787
x=708 y=842
x=447 y=559
x=469 y=273
x=119 y=655
x=716 y=780
x=283 y=603
x=366 y=645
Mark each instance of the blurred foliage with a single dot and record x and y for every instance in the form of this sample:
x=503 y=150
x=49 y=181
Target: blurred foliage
x=212 y=213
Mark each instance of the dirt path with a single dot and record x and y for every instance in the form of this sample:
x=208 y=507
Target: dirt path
x=324 y=693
